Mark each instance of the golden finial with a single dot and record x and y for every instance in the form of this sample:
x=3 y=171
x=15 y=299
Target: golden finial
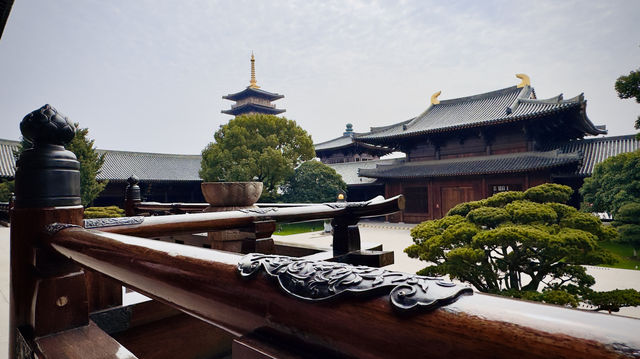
x=525 y=80
x=434 y=98
x=253 y=84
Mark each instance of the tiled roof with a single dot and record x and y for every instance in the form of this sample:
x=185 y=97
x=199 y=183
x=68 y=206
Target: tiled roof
x=596 y=150
x=505 y=105
x=7 y=161
x=250 y=91
x=119 y=165
x=252 y=107
x=508 y=163
x=349 y=170
x=347 y=141
x=339 y=142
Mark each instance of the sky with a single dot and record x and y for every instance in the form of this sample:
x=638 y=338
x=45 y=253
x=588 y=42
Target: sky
x=149 y=76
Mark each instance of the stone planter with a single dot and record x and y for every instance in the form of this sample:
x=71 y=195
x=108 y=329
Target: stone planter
x=228 y=196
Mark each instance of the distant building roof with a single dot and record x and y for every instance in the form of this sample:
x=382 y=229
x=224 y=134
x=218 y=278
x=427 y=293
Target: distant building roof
x=596 y=150
x=505 y=105
x=346 y=141
x=253 y=92
x=349 y=170
x=507 y=163
x=7 y=161
x=119 y=165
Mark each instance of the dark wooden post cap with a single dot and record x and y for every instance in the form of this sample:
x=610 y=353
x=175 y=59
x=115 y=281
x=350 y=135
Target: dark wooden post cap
x=47 y=175
x=47 y=126
x=132 y=192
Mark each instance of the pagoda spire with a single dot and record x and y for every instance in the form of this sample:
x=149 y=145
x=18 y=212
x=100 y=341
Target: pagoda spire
x=253 y=84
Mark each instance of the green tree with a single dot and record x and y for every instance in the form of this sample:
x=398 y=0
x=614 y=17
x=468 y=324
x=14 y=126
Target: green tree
x=628 y=86
x=627 y=221
x=90 y=163
x=524 y=244
x=314 y=182
x=614 y=182
x=6 y=188
x=259 y=147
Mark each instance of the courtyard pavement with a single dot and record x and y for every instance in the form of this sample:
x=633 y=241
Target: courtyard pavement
x=393 y=237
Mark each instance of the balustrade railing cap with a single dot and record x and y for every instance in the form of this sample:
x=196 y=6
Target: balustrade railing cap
x=47 y=174
x=46 y=126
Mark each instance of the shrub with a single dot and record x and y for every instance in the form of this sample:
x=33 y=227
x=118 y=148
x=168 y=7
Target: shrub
x=103 y=212
x=462 y=209
x=503 y=198
x=549 y=192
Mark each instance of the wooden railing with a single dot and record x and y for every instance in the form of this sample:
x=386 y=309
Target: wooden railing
x=256 y=305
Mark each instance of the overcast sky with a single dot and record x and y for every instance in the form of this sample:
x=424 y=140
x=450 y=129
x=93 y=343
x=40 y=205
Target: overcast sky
x=149 y=75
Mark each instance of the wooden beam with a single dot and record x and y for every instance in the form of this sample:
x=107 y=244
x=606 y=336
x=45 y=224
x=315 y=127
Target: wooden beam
x=207 y=285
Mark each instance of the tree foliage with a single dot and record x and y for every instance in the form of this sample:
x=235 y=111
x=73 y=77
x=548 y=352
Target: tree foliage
x=517 y=244
x=90 y=163
x=628 y=86
x=6 y=189
x=615 y=181
x=259 y=147
x=627 y=221
x=314 y=182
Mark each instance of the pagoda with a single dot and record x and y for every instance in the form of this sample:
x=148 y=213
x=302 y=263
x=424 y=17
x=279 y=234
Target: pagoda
x=253 y=99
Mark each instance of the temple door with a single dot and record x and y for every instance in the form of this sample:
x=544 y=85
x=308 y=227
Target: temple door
x=453 y=195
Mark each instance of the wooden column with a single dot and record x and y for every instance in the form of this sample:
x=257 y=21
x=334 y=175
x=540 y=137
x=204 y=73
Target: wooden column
x=48 y=292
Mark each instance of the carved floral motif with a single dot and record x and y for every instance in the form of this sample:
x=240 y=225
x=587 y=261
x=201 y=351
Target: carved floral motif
x=318 y=281
x=54 y=228
x=110 y=222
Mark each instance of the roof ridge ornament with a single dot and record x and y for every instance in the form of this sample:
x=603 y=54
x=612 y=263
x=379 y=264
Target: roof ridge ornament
x=434 y=98
x=253 y=84
x=526 y=81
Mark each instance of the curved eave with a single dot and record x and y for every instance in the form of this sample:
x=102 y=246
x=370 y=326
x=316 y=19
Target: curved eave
x=369 y=148
x=523 y=162
x=368 y=174
x=249 y=107
x=251 y=92
x=587 y=125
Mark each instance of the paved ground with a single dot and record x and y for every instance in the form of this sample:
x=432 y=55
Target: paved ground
x=393 y=237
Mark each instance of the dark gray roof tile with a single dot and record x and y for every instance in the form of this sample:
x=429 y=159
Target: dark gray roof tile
x=508 y=163
x=505 y=105
x=119 y=165
x=7 y=161
x=596 y=150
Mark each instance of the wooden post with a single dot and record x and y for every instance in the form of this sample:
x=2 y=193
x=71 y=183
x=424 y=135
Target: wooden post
x=132 y=196
x=48 y=291
x=346 y=235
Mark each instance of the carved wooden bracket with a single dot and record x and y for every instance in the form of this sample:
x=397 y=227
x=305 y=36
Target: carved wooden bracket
x=316 y=281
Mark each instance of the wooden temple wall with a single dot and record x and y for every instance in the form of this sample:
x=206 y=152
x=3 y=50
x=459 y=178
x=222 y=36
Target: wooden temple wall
x=432 y=198
x=508 y=139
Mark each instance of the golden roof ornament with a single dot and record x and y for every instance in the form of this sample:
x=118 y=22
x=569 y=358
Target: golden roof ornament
x=526 y=81
x=434 y=98
x=253 y=84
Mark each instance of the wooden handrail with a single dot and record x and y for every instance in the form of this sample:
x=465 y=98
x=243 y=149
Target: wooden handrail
x=199 y=207
x=202 y=222
x=207 y=284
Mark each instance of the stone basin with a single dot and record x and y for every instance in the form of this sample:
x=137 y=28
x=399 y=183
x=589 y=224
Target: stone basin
x=229 y=195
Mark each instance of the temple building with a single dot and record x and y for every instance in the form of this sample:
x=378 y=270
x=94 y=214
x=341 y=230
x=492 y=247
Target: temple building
x=470 y=148
x=344 y=149
x=253 y=99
